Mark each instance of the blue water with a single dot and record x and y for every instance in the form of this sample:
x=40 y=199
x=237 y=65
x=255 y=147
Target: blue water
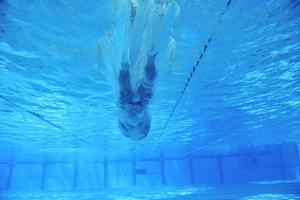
x=58 y=96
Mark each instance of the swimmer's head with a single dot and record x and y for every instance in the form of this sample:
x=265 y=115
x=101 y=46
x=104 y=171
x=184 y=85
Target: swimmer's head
x=135 y=127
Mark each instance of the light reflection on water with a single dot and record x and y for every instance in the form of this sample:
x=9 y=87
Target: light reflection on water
x=244 y=93
x=163 y=193
x=272 y=197
x=125 y=194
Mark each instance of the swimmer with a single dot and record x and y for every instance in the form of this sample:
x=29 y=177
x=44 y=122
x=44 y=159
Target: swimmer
x=134 y=117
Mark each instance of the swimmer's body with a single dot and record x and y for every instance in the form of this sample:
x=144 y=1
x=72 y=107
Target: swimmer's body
x=134 y=118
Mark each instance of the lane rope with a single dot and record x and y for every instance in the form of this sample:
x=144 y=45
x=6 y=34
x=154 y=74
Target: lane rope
x=191 y=75
x=40 y=117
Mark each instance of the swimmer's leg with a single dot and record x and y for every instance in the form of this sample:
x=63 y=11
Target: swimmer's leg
x=125 y=84
x=150 y=69
x=133 y=11
x=145 y=87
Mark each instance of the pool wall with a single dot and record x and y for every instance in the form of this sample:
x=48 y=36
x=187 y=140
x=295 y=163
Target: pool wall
x=75 y=171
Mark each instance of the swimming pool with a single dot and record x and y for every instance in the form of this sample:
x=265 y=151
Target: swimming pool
x=224 y=111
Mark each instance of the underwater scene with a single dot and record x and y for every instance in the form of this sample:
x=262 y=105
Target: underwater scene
x=149 y=99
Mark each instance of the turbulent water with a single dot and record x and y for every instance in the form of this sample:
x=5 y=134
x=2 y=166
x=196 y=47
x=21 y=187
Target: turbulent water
x=57 y=90
x=139 y=29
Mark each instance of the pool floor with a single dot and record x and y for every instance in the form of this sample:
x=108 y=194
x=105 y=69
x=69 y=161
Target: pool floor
x=275 y=191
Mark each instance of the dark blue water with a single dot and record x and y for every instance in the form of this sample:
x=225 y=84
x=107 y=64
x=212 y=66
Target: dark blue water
x=226 y=97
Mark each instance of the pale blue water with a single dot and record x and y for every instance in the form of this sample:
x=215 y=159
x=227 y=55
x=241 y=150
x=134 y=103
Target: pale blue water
x=58 y=100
